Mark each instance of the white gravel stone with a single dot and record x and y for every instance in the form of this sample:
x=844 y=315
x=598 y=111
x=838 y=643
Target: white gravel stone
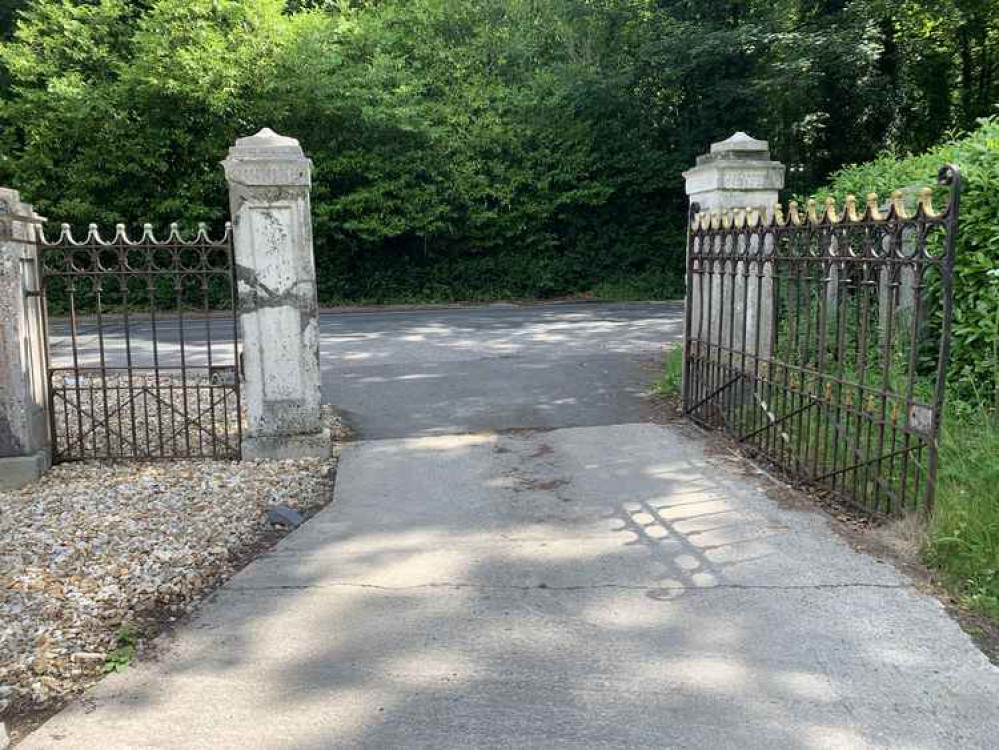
x=93 y=546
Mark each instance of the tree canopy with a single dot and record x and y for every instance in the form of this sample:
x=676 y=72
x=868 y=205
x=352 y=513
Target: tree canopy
x=469 y=149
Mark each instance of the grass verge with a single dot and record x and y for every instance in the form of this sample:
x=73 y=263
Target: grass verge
x=963 y=541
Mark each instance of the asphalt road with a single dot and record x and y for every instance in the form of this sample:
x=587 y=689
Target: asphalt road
x=425 y=372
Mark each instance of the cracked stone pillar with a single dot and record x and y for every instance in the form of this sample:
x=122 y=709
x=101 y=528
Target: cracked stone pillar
x=24 y=426
x=736 y=174
x=269 y=179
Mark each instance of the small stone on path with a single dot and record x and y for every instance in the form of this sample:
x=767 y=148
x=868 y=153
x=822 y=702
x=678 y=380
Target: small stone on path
x=282 y=515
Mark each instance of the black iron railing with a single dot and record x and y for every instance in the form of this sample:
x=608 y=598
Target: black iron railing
x=820 y=340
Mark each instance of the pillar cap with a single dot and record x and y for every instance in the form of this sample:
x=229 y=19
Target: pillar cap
x=735 y=173
x=12 y=207
x=741 y=142
x=267 y=159
x=266 y=143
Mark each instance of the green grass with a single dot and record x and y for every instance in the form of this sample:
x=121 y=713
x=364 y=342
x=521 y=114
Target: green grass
x=669 y=383
x=964 y=527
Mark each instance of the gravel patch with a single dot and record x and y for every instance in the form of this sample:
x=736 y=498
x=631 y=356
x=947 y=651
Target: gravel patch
x=144 y=414
x=95 y=550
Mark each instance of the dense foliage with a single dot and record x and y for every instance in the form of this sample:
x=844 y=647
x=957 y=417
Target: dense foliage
x=974 y=369
x=473 y=148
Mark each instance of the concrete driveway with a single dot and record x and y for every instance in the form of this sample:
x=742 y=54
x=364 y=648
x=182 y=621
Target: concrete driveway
x=584 y=581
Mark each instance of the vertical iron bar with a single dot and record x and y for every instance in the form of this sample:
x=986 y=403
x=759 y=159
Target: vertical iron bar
x=730 y=269
x=41 y=278
x=98 y=288
x=237 y=364
x=707 y=378
x=948 y=175
x=151 y=287
x=887 y=345
x=211 y=385
x=688 y=311
x=76 y=367
x=179 y=289
x=132 y=395
x=744 y=255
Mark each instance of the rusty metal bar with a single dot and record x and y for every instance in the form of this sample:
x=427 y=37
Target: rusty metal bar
x=127 y=301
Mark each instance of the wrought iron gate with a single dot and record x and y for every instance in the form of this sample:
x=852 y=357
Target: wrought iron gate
x=142 y=345
x=820 y=340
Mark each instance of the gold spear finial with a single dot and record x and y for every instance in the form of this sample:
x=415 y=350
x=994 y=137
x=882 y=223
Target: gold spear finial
x=898 y=203
x=926 y=203
x=830 y=210
x=793 y=215
x=873 y=207
x=850 y=208
x=813 y=215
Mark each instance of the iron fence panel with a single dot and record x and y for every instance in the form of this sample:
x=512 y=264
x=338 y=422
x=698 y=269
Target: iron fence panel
x=143 y=345
x=820 y=339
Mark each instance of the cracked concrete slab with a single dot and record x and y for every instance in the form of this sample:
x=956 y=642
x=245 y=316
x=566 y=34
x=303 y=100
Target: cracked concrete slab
x=585 y=588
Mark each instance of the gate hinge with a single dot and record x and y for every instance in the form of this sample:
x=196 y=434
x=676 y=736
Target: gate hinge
x=32 y=293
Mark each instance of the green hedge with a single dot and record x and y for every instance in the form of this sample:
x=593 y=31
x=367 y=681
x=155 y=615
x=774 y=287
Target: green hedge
x=974 y=370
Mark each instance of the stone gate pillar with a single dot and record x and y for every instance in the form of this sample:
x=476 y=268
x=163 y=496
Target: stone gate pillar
x=269 y=179
x=24 y=425
x=736 y=174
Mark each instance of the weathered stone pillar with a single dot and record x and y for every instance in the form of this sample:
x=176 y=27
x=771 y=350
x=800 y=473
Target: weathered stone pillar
x=24 y=426
x=269 y=179
x=736 y=174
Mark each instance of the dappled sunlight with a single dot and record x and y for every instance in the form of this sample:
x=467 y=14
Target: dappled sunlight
x=365 y=339
x=353 y=338
x=842 y=738
x=549 y=337
x=431 y=667
x=447 y=442
x=722 y=674
x=461 y=335
x=393 y=568
x=475 y=583
x=437 y=443
x=372 y=379
x=630 y=614
x=509 y=600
